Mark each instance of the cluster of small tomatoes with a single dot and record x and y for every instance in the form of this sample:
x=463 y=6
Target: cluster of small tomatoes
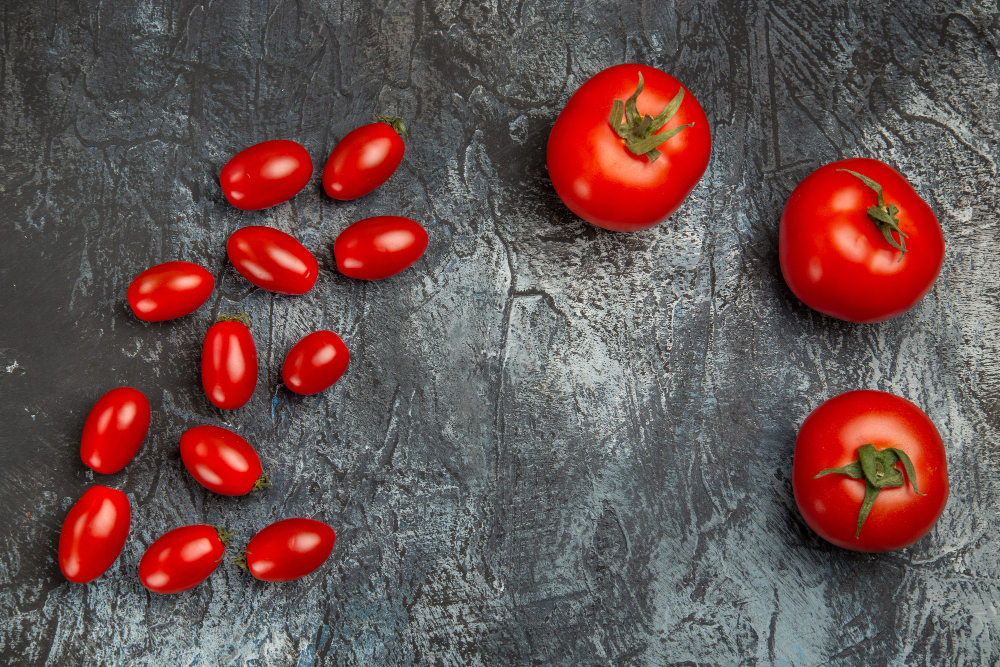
x=855 y=242
x=97 y=526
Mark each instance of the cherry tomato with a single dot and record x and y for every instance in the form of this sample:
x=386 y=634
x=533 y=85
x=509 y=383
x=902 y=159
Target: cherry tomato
x=114 y=430
x=364 y=159
x=93 y=533
x=182 y=558
x=315 y=362
x=229 y=364
x=615 y=170
x=272 y=259
x=222 y=461
x=169 y=290
x=869 y=472
x=266 y=174
x=379 y=247
x=289 y=549
x=856 y=242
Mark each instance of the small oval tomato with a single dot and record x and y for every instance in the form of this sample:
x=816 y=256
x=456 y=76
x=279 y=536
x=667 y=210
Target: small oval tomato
x=114 y=430
x=169 y=290
x=364 y=159
x=379 y=247
x=182 y=558
x=222 y=461
x=315 y=362
x=856 y=242
x=266 y=174
x=289 y=549
x=272 y=259
x=93 y=533
x=869 y=472
x=229 y=364
x=613 y=168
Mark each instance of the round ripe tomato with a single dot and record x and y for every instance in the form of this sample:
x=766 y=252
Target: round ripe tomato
x=869 y=472
x=615 y=170
x=114 y=430
x=315 y=362
x=266 y=174
x=364 y=159
x=182 y=558
x=379 y=247
x=272 y=259
x=169 y=290
x=289 y=549
x=222 y=461
x=93 y=534
x=229 y=364
x=851 y=253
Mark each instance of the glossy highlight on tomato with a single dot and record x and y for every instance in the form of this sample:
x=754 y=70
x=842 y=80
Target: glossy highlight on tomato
x=169 y=290
x=93 y=533
x=114 y=430
x=289 y=549
x=379 y=247
x=272 y=259
x=229 y=364
x=315 y=362
x=266 y=174
x=222 y=461
x=182 y=558
x=364 y=159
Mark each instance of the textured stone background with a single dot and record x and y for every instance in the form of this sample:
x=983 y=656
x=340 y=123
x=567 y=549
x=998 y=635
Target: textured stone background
x=554 y=445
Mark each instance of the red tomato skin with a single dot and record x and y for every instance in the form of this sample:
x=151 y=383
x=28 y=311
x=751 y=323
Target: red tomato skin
x=169 y=290
x=181 y=559
x=363 y=160
x=228 y=365
x=315 y=362
x=602 y=181
x=220 y=460
x=289 y=549
x=93 y=534
x=834 y=258
x=379 y=247
x=114 y=430
x=266 y=174
x=829 y=438
x=272 y=259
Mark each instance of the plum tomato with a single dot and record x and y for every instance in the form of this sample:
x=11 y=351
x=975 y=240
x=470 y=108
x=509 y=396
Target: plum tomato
x=315 y=362
x=272 y=259
x=93 y=533
x=628 y=148
x=169 y=290
x=266 y=174
x=182 y=558
x=288 y=549
x=222 y=461
x=364 y=159
x=379 y=247
x=869 y=471
x=114 y=430
x=229 y=364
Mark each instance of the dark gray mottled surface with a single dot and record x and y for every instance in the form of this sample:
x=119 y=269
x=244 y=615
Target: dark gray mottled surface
x=554 y=445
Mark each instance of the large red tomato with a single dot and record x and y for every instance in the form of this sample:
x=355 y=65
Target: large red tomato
x=856 y=242
x=628 y=148
x=222 y=461
x=169 y=290
x=229 y=364
x=266 y=174
x=364 y=159
x=114 y=430
x=272 y=259
x=93 y=533
x=379 y=247
x=315 y=362
x=289 y=549
x=182 y=558
x=869 y=472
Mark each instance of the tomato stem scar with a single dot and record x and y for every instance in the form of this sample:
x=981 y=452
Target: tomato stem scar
x=397 y=123
x=640 y=132
x=884 y=216
x=262 y=483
